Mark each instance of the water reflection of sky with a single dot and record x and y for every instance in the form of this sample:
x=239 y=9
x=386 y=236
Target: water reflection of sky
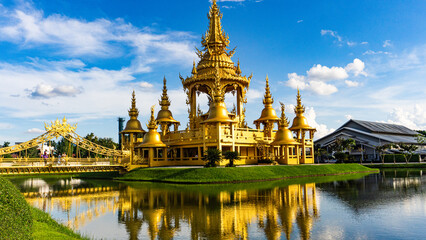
x=373 y=207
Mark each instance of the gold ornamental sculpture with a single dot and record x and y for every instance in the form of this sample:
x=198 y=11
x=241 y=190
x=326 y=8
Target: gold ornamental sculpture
x=215 y=75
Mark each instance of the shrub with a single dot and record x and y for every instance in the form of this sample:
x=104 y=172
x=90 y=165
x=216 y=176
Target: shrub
x=231 y=156
x=212 y=156
x=15 y=213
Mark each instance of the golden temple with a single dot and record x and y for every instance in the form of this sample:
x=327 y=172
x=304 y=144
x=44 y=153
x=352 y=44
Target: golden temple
x=215 y=75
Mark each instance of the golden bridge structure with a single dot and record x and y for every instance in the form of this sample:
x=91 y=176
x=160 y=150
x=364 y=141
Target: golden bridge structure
x=109 y=160
x=215 y=75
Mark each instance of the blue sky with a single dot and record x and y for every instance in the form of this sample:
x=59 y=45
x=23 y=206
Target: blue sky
x=82 y=59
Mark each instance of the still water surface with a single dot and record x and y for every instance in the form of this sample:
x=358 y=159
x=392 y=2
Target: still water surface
x=389 y=205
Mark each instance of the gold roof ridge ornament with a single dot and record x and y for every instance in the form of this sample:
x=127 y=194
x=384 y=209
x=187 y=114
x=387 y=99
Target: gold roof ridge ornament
x=59 y=128
x=165 y=116
x=133 y=125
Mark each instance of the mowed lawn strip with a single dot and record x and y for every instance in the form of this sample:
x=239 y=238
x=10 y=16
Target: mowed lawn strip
x=240 y=174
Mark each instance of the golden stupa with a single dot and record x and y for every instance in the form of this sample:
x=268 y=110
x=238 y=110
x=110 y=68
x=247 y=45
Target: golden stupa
x=215 y=75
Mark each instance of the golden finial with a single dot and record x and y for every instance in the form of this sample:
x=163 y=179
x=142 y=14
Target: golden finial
x=133 y=111
x=215 y=40
x=238 y=70
x=284 y=119
x=152 y=124
x=267 y=100
x=164 y=102
x=194 y=69
x=299 y=109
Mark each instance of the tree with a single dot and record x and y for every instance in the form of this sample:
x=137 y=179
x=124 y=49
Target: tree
x=6 y=144
x=340 y=146
x=407 y=150
x=381 y=149
x=319 y=152
x=231 y=156
x=212 y=156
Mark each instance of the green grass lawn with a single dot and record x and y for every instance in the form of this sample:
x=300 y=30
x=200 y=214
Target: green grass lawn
x=44 y=227
x=240 y=174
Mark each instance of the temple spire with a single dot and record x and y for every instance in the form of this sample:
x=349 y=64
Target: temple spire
x=283 y=120
x=215 y=40
x=152 y=124
x=238 y=70
x=267 y=98
x=133 y=111
x=165 y=102
x=299 y=109
x=194 y=69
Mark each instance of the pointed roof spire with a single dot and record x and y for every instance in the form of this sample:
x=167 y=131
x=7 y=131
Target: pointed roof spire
x=283 y=119
x=267 y=98
x=215 y=38
x=133 y=125
x=299 y=109
x=268 y=112
x=238 y=70
x=152 y=124
x=194 y=69
x=164 y=102
x=133 y=111
x=300 y=121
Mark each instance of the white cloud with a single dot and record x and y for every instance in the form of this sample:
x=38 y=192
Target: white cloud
x=35 y=130
x=347 y=116
x=318 y=77
x=371 y=52
x=364 y=43
x=299 y=21
x=351 y=83
x=322 y=129
x=146 y=85
x=387 y=43
x=338 y=38
x=101 y=37
x=356 y=67
x=48 y=91
x=331 y=33
x=324 y=73
x=413 y=117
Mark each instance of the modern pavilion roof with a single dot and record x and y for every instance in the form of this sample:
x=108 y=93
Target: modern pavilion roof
x=387 y=128
x=379 y=136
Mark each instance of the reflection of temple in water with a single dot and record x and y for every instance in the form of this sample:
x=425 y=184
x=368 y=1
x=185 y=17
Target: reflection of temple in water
x=165 y=213
x=226 y=215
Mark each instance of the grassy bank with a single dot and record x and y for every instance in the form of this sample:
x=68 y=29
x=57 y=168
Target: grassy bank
x=18 y=220
x=44 y=227
x=240 y=174
x=397 y=165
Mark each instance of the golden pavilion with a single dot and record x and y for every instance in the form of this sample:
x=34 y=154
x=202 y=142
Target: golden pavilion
x=215 y=75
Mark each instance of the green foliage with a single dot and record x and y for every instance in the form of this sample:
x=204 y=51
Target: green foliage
x=342 y=144
x=15 y=214
x=239 y=174
x=6 y=144
x=382 y=148
x=407 y=150
x=231 y=157
x=47 y=228
x=212 y=156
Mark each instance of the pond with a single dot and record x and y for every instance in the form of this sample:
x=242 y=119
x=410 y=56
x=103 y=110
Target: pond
x=389 y=205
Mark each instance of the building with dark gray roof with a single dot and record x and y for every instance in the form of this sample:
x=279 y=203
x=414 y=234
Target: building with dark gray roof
x=369 y=135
